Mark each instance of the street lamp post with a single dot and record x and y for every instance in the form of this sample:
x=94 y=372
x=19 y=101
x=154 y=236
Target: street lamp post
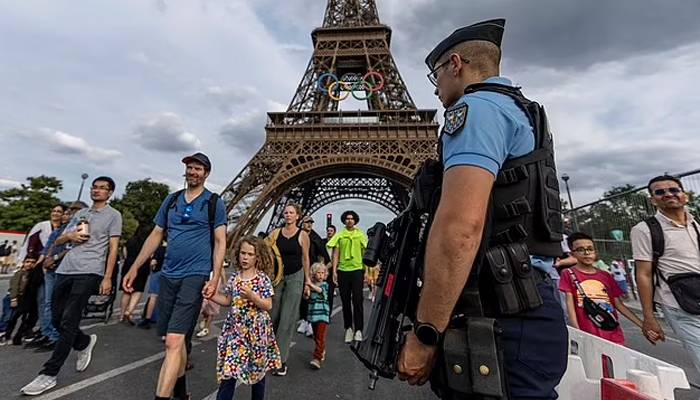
x=566 y=178
x=84 y=176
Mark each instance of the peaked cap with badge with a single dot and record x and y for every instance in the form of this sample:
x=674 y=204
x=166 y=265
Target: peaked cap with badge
x=491 y=31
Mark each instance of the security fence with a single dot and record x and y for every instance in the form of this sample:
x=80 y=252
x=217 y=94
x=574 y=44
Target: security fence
x=609 y=220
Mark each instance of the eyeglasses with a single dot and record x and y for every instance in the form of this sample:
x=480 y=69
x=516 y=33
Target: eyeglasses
x=672 y=190
x=584 y=250
x=433 y=74
x=187 y=214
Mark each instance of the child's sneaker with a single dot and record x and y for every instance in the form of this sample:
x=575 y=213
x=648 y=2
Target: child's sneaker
x=204 y=332
x=348 y=335
x=315 y=364
x=358 y=336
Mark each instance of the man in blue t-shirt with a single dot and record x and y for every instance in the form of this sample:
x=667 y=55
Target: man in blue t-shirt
x=195 y=246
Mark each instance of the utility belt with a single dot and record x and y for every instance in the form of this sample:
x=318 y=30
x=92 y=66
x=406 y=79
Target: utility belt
x=512 y=280
x=471 y=362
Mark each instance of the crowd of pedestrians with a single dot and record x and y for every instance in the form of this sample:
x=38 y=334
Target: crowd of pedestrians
x=285 y=282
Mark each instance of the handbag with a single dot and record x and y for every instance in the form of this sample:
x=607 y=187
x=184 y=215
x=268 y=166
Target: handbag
x=599 y=315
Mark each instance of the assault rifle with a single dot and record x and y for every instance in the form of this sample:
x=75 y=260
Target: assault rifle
x=470 y=361
x=400 y=248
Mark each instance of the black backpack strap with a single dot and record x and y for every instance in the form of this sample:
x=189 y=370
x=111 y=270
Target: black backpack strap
x=211 y=210
x=171 y=204
x=657 y=246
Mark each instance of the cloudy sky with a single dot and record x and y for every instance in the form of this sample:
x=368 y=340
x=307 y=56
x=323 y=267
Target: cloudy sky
x=127 y=87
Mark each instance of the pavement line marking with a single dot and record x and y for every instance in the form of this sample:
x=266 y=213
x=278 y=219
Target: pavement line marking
x=70 y=389
x=212 y=395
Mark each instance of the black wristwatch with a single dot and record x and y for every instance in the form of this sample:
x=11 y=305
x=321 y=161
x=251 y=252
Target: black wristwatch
x=427 y=334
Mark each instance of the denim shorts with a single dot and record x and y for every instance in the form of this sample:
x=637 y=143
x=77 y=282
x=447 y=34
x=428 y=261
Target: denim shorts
x=179 y=302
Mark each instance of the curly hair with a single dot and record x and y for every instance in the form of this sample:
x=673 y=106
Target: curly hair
x=263 y=255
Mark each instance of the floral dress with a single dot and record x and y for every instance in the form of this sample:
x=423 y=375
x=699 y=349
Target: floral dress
x=247 y=347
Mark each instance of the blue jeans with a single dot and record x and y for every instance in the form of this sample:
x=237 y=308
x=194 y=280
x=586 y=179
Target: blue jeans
x=47 y=328
x=687 y=327
x=227 y=388
x=6 y=312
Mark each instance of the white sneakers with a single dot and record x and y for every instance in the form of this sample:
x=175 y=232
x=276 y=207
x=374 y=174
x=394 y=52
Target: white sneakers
x=358 y=336
x=348 y=335
x=39 y=385
x=202 y=333
x=302 y=326
x=85 y=356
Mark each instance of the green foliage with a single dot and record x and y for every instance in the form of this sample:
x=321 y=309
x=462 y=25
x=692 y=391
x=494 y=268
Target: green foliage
x=141 y=200
x=24 y=206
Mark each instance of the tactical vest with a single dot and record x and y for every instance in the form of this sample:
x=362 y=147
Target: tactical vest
x=525 y=204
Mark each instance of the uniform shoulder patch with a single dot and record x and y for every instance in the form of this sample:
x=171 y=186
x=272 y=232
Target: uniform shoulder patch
x=455 y=119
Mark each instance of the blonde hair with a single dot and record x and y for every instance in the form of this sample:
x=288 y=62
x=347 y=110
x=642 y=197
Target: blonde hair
x=318 y=266
x=263 y=254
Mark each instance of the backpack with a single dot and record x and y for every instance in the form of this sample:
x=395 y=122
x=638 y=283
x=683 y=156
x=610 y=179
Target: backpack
x=684 y=286
x=211 y=211
x=278 y=272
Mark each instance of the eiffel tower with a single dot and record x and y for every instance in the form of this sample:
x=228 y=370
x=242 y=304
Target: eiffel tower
x=316 y=154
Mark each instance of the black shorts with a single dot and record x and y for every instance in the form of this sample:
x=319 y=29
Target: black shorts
x=179 y=302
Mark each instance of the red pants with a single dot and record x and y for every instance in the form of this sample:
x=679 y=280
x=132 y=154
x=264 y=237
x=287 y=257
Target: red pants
x=320 y=340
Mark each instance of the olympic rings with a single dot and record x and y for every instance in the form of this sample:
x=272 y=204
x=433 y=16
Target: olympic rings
x=339 y=89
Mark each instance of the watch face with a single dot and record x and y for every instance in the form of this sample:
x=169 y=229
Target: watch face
x=427 y=335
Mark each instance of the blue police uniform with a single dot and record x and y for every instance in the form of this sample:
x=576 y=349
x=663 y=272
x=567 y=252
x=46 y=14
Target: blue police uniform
x=494 y=130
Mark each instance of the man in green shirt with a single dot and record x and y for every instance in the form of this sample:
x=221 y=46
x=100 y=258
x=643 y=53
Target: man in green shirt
x=348 y=273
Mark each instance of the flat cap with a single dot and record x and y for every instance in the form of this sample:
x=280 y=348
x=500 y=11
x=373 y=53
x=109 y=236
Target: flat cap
x=491 y=31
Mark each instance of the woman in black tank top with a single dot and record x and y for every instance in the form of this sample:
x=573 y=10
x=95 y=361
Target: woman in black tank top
x=293 y=245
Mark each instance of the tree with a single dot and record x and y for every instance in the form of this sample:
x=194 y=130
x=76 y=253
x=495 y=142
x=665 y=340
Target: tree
x=24 y=206
x=141 y=200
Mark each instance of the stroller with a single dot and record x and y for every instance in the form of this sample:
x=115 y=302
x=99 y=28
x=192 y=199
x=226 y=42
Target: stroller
x=100 y=306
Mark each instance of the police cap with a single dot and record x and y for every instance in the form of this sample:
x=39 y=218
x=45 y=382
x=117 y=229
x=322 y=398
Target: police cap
x=491 y=31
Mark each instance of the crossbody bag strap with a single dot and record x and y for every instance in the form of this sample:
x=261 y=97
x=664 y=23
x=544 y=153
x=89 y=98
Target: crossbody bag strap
x=577 y=283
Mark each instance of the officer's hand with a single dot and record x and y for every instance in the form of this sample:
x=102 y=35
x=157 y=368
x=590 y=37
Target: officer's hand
x=652 y=330
x=416 y=361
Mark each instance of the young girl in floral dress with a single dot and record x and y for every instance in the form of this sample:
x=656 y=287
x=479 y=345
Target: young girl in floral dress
x=247 y=348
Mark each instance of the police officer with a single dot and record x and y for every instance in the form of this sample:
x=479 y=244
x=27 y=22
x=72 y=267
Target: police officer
x=492 y=154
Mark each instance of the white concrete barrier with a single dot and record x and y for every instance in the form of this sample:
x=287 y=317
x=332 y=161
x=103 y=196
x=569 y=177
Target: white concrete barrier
x=585 y=369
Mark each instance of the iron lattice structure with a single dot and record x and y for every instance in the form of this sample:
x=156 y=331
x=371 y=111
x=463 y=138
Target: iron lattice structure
x=314 y=153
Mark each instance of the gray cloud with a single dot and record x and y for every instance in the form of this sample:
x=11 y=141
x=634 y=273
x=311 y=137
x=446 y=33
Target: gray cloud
x=228 y=99
x=65 y=143
x=558 y=33
x=245 y=132
x=166 y=132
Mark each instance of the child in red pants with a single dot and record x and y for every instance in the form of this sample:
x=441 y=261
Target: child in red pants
x=319 y=311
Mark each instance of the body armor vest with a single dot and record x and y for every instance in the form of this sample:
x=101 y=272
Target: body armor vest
x=525 y=206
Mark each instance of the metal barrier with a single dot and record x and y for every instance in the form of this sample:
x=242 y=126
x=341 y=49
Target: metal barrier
x=609 y=220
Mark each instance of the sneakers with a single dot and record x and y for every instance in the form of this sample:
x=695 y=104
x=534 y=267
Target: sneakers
x=144 y=324
x=280 y=371
x=39 y=385
x=3 y=341
x=204 y=332
x=302 y=327
x=315 y=364
x=85 y=356
x=309 y=330
x=38 y=342
x=46 y=347
x=358 y=336
x=348 y=336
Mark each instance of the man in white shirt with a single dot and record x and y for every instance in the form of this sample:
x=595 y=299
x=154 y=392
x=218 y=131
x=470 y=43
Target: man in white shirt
x=681 y=254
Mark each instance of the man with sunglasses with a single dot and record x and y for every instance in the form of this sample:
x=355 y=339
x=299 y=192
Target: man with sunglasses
x=196 y=245
x=496 y=154
x=681 y=254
